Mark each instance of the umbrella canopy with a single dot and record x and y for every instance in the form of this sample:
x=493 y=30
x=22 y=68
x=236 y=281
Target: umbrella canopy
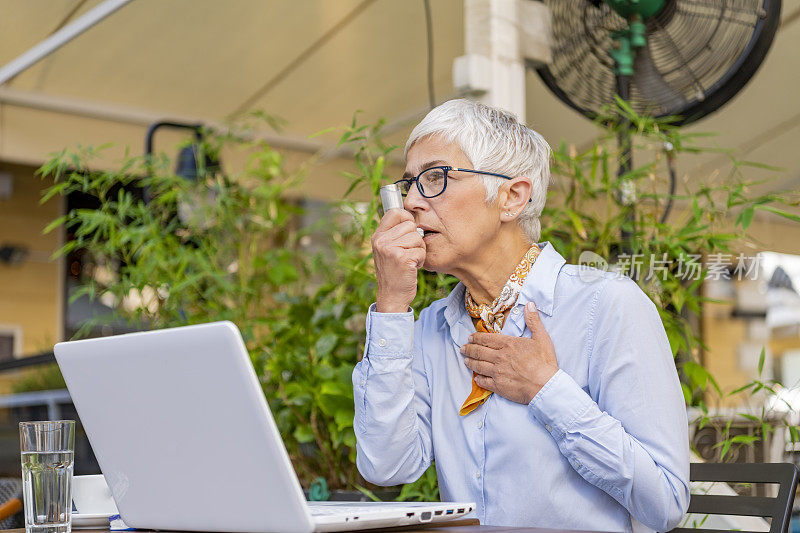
x=312 y=62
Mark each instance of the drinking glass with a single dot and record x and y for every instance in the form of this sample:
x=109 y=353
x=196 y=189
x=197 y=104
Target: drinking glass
x=48 y=450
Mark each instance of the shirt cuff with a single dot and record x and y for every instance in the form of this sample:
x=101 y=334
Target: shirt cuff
x=390 y=334
x=559 y=403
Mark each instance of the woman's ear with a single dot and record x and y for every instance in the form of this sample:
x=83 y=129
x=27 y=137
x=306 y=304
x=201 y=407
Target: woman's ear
x=519 y=190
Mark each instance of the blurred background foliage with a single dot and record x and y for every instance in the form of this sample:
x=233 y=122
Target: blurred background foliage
x=166 y=251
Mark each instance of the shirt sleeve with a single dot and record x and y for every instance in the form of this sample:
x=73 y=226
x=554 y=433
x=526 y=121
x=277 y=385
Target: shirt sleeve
x=392 y=401
x=630 y=437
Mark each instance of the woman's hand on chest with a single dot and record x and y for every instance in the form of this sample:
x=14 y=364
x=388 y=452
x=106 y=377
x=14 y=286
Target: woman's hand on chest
x=516 y=368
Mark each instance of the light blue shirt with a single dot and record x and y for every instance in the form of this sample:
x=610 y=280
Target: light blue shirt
x=605 y=439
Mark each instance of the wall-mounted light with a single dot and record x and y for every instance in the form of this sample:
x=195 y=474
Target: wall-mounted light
x=13 y=254
x=193 y=210
x=187 y=162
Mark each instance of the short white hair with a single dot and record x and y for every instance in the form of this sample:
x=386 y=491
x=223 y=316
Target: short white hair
x=494 y=141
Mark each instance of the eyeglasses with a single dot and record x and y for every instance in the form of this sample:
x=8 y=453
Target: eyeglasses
x=432 y=182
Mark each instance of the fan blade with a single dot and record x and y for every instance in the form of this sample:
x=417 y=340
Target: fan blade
x=651 y=84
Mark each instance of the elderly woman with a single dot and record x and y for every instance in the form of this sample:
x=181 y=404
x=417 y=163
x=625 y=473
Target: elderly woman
x=548 y=399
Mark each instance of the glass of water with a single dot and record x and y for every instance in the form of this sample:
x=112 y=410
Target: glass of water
x=48 y=450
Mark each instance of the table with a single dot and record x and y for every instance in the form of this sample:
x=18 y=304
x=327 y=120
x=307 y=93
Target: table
x=474 y=526
x=464 y=526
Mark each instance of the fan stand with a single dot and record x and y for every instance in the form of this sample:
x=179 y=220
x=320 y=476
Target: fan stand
x=627 y=189
x=625 y=43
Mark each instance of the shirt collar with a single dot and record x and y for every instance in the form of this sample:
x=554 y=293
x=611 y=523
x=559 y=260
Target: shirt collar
x=539 y=286
x=540 y=283
x=454 y=305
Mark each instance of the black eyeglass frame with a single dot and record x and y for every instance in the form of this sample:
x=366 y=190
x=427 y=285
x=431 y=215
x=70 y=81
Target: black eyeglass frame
x=446 y=169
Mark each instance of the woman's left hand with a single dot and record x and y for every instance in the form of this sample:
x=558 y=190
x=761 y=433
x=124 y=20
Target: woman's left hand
x=516 y=368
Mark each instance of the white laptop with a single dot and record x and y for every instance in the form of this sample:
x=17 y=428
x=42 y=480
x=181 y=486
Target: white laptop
x=186 y=440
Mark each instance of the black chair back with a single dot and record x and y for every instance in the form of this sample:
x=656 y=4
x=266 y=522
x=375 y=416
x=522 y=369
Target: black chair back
x=779 y=509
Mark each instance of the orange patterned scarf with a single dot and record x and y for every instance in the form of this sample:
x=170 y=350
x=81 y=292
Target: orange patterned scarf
x=491 y=318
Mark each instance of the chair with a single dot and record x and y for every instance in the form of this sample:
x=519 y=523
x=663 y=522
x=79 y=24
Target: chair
x=778 y=508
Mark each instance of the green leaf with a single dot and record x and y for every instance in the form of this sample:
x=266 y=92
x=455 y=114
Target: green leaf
x=368 y=493
x=577 y=224
x=334 y=388
x=726 y=446
x=321 y=132
x=58 y=188
x=344 y=418
x=325 y=344
x=745 y=217
x=746 y=439
x=349 y=438
x=779 y=212
x=687 y=393
x=742 y=388
x=64 y=250
x=761 y=360
x=303 y=434
x=54 y=224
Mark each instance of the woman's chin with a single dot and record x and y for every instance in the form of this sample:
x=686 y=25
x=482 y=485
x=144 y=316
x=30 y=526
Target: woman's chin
x=432 y=265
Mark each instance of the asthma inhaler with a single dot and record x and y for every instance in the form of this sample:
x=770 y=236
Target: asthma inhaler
x=392 y=198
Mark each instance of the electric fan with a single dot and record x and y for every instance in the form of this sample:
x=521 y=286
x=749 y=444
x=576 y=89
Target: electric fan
x=665 y=57
x=680 y=58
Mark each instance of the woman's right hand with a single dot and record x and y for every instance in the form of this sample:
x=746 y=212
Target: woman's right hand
x=398 y=251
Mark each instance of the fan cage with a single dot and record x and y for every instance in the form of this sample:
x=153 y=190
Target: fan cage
x=705 y=51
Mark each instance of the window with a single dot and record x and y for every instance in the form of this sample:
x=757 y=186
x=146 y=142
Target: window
x=6 y=346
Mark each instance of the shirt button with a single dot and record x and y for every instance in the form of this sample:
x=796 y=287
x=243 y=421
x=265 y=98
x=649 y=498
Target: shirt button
x=363 y=382
x=547 y=427
x=480 y=424
x=382 y=343
x=478 y=475
x=515 y=311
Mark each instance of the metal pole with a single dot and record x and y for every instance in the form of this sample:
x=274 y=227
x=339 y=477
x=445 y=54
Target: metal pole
x=53 y=412
x=144 y=117
x=59 y=39
x=626 y=191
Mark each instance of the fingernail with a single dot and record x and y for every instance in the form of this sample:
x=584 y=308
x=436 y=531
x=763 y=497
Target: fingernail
x=470 y=338
x=531 y=307
x=463 y=349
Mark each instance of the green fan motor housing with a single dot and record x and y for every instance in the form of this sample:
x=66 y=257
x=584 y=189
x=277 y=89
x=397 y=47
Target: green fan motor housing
x=629 y=8
x=633 y=37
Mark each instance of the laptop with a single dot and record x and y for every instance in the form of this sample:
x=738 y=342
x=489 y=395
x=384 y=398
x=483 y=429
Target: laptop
x=183 y=434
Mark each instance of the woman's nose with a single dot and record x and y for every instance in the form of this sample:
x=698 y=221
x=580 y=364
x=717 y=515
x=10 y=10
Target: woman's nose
x=414 y=199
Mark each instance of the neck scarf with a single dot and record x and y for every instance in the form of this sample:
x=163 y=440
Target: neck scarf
x=492 y=316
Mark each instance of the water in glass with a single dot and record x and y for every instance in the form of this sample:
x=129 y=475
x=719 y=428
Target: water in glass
x=47 y=486
x=47 y=464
